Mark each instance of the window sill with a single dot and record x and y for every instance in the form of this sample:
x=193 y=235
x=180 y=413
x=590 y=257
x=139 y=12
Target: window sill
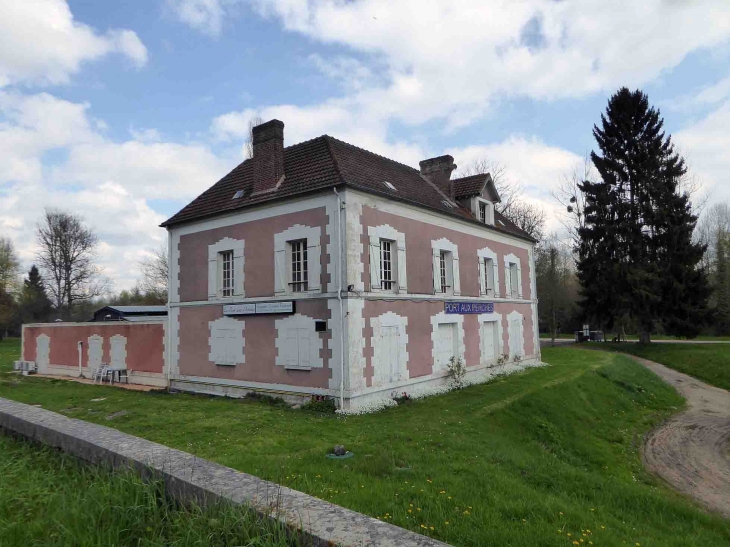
x=306 y=369
x=225 y=364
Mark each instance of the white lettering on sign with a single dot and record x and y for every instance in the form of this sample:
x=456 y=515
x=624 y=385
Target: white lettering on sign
x=274 y=307
x=239 y=309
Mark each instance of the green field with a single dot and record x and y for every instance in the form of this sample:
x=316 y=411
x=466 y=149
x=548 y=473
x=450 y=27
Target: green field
x=707 y=362
x=546 y=457
x=50 y=499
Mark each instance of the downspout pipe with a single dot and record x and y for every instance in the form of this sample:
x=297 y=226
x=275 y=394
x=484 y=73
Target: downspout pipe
x=339 y=297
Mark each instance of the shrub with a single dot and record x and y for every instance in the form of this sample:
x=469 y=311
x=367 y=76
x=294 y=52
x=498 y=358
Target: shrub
x=456 y=372
x=320 y=403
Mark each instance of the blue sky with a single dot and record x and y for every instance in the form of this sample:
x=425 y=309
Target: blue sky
x=123 y=112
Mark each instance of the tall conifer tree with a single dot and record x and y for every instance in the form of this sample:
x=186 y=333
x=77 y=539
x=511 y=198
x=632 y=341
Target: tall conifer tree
x=637 y=262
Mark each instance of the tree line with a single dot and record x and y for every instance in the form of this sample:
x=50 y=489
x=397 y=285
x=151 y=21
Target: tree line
x=66 y=283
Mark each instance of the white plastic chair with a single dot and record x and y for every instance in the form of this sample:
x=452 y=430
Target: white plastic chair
x=100 y=373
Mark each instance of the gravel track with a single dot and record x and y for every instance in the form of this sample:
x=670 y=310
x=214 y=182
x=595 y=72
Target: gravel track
x=691 y=450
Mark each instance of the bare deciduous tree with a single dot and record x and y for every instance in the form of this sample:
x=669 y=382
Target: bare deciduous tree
x=155 y=271
x=714 y=222
x=569 y=195
x=66 y=258
x=527 y=216
x=9 y=266
x=248 y=144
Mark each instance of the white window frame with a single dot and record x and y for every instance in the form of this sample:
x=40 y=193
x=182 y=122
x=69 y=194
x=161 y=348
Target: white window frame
x=476 y=209
x=233 y=348
x=509 y=261
x=491 y=318
x=298 y=321
x=447 y=318
x=301 y=265
x=452 y=274
x=376 y=234
x=215 y=268
x=389 y=319
x=512 y=343
x=282 y=258
x=488 y=254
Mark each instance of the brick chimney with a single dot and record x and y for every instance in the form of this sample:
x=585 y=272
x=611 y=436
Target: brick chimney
x=438 y=171
x=268 y=156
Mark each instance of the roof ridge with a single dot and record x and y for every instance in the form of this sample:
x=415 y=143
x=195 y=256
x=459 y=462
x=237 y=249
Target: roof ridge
x=371 y=153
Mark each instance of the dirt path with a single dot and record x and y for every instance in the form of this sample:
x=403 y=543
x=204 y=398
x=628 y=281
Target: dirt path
x=691 y=450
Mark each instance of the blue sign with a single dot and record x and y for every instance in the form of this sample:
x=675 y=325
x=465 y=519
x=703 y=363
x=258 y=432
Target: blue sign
x=468 y=307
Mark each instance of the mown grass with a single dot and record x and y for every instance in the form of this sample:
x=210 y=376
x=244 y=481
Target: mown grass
x=546 y=457
x=632 y=337
x=707 y=362
x=48 y=498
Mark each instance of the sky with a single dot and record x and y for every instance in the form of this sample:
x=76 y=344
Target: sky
x=122 y=112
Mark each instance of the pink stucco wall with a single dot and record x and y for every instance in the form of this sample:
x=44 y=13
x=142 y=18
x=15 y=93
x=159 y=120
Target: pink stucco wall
x=419 y=329
x=260 y=347
x=258 y=253
x=419 y=267
x=145 y=345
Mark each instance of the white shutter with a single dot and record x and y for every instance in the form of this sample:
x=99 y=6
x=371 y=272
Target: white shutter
x=280 y=282
x=314 y=273
x=401 y=265
x=495 y=278
x=212 y=275
x=507 y=282
x=455 y=274
x=238 y=272
x=375 y=264
x=519 y=281
x=437 y=271
x=481 y=266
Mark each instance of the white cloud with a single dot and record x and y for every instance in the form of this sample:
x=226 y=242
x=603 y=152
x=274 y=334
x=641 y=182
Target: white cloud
x=705 y=146
x=42 y=43
x=204 y=15
x=108 y=183
x=452 y=59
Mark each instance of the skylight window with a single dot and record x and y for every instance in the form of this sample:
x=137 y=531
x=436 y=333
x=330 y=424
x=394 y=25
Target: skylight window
x=389 y=185
x=238 y=194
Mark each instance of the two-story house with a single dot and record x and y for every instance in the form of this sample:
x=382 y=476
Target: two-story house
x=325 y=269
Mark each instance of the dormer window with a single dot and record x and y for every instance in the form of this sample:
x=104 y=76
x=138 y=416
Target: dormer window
x=484 y=210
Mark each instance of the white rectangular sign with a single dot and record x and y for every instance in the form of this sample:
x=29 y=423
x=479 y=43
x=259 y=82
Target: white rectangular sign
x=239 y=309
x=258 y=308
x=274 y=307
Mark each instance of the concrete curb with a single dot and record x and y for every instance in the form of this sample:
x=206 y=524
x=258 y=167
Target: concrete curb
x=188 y=477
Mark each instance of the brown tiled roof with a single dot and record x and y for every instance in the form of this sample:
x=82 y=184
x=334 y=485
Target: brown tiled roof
x=323 y=163
x=467 y=187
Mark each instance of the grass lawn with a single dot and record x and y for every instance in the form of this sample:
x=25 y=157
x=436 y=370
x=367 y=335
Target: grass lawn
x=538 y=458
x=707 y=362
x=610 y=335
x=49 y=498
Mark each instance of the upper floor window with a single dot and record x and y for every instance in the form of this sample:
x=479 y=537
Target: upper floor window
x=298 y=266
x=512 y=276
x=387 y=259
x=227 y=275
x=488 y=272
x=386 y=265
x=444 y=270
x=488 y=276
x=445 y=267
x=297 y=256
x=225 y=269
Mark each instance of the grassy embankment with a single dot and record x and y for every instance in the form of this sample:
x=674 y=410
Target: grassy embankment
x=51 y=499
x=546 y=457
x=707 y=362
